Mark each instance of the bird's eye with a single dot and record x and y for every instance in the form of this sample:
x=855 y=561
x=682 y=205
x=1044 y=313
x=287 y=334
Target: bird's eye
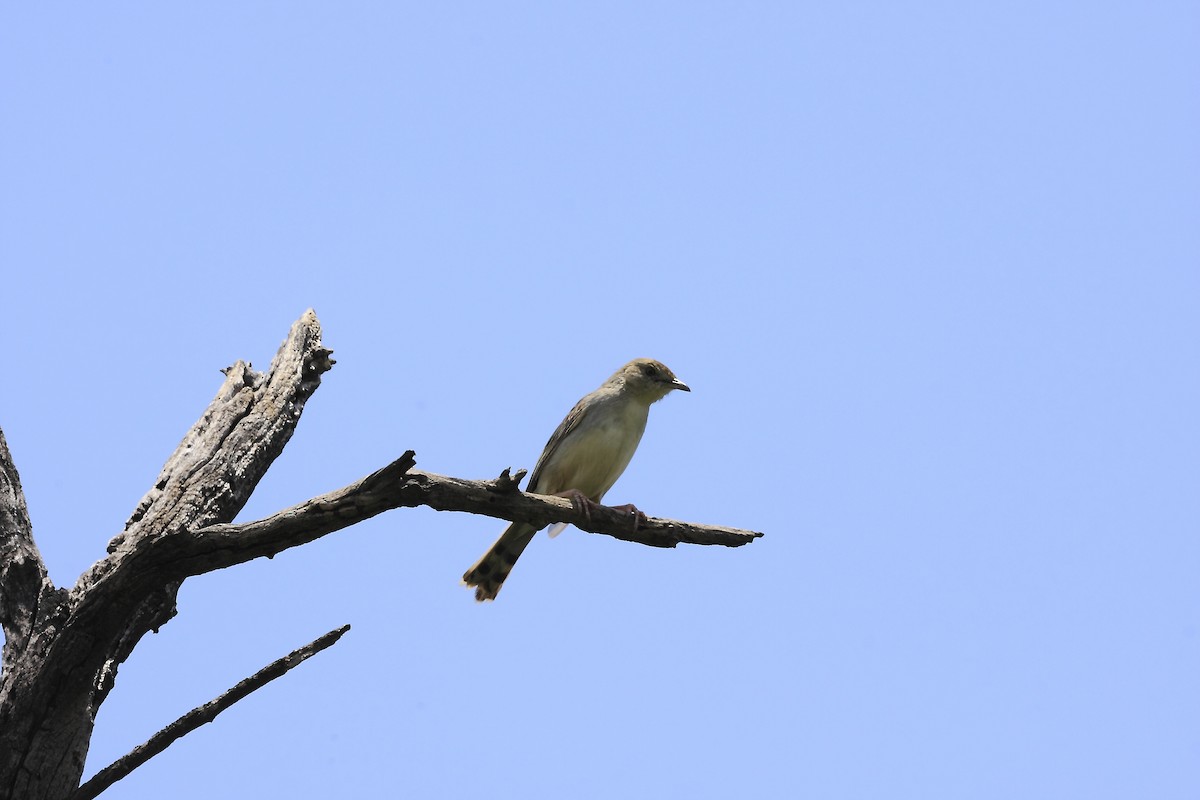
x=647 y=369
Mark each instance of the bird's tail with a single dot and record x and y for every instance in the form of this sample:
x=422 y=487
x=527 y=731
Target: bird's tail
x=489 y=572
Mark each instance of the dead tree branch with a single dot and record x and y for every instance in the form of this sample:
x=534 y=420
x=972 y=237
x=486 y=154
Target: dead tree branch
x=202 y=715
x=399 y=486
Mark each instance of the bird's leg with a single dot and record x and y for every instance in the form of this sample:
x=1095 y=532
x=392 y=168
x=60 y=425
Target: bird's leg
x=639 y=518
x=585 y=504
x=580 y=501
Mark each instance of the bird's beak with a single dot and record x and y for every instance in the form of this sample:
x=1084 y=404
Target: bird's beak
x=680 y=385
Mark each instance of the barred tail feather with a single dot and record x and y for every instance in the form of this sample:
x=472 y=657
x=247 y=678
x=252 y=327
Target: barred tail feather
x=489 y=572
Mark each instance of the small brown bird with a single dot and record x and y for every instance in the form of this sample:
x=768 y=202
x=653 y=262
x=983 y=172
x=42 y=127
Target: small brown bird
x=583 y=459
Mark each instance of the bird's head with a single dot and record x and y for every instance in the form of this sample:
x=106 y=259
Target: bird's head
x=648 y=379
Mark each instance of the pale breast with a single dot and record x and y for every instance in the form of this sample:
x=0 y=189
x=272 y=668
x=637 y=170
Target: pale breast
x=595 y=454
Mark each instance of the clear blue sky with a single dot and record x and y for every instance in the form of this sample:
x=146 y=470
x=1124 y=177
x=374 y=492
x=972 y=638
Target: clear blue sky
x=931 y=269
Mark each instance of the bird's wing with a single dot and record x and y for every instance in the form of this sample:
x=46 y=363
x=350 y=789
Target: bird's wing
x=569 y=424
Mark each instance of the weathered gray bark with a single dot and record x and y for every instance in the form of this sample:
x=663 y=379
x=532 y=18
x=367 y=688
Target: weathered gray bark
x=63 y=647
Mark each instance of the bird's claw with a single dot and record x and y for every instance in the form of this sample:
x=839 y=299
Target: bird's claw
x=580 y=501
x=584 y=505
x=639 y=519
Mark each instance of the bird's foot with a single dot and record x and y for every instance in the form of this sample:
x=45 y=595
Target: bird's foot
x=639 y=519
x=580 y=501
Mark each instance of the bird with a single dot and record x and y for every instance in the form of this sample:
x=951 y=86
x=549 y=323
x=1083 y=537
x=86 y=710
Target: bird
x=583 y=459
